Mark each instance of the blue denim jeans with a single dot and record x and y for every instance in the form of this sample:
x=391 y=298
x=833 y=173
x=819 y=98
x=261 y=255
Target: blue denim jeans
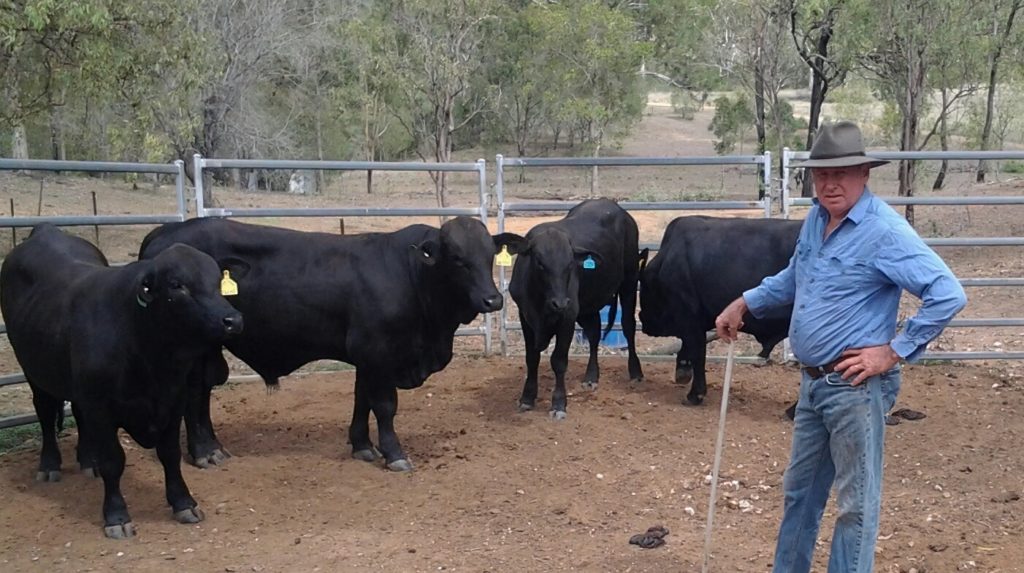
x=838 y=436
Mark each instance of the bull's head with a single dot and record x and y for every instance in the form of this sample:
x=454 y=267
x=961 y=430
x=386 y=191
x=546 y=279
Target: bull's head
x=464 y=255
x=555 y=264
x=180 y=287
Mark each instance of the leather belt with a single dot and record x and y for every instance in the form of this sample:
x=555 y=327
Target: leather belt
x=821 y=371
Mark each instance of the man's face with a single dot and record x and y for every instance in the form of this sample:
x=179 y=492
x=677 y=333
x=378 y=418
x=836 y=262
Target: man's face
x=839 y=188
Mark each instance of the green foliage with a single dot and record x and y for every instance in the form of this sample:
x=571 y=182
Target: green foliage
x=1013 y=167
x=793 y=129
x=733 y=118
x=685 y=105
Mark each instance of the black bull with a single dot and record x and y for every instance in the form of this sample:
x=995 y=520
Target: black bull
x=387 y=303
x=118 y=343
x=704 y=264
x=566 y=271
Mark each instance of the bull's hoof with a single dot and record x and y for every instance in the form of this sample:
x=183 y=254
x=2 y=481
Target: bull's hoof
x=525 y=406
x=48 y=475
x=684 y=375
x=217 y=457
x=400 y=465
x=558 y=414
x=590 y=385
x=695 y=399
x=636 y=379
x=120 y=531
x=189 y=515
x=90 y=472
x=370 y=454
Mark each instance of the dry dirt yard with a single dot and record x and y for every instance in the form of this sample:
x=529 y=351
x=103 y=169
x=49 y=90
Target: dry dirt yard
x=497 y=490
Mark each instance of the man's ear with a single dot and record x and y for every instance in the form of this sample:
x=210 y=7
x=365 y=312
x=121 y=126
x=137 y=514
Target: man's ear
x=515 y=243
x=427 y=251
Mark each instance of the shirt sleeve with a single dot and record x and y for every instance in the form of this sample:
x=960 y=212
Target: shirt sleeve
x=774 y=291
x=912 y=265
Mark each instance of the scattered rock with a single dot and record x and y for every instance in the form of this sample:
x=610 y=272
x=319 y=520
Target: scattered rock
x=938 y=547
x=1006 y=497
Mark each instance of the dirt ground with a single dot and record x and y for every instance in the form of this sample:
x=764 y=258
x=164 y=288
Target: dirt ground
x=497 y=490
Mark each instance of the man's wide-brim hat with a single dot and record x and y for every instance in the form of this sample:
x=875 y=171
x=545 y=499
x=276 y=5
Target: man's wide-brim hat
x=839 y=145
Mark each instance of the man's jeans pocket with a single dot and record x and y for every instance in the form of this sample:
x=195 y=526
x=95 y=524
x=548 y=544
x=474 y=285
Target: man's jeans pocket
x=890 y=386
x=836 y=379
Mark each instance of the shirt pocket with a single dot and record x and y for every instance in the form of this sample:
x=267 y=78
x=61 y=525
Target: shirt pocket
x=846 y=277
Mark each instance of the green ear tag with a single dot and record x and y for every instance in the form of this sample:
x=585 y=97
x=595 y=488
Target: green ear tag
x=589 y=263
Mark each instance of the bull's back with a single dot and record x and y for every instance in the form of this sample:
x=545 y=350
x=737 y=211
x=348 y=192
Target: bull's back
x=38 y=281
x=719 y=258
x=302 y=293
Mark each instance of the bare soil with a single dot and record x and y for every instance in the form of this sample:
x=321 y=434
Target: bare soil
x=498 y=490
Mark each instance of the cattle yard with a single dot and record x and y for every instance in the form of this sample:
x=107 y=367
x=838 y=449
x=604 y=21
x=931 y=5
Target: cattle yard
x=499 y=490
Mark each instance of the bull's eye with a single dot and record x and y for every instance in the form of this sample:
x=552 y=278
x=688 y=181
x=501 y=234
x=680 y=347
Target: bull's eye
x=176 y=285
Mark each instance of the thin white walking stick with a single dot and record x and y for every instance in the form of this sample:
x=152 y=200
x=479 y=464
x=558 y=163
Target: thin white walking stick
x=718 y=456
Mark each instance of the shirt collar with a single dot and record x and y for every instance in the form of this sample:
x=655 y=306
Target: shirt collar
x=858 y=211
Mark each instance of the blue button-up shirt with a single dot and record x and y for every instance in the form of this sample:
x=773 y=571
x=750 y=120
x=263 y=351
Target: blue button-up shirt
x=845 y=289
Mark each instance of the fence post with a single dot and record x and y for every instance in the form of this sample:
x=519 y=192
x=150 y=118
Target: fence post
x=197 y=174
x=481 y=167
x=784 y=194
x=179 y=188
x=767 y=184
x=499 y=190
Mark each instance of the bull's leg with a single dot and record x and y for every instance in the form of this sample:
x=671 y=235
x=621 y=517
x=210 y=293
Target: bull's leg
x=529 y=396
x=695 y=350
x=384 y=402
x=559 y=364
x=684 y=368
x=86 y=450
x=48 y=410
x=359 y=429
x=168 y=449
x=591 y=324
x=117 y=524
x=627 y=297
x=204 y=448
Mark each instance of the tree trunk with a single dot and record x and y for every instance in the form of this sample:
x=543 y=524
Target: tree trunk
x=597 y=153
x=819 y=88
x=19 y=141
x=940 y=179
x=759 y=117
x=318 y=178
x=993 y=77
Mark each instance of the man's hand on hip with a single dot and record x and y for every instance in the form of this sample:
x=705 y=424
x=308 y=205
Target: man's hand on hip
x=866 y=362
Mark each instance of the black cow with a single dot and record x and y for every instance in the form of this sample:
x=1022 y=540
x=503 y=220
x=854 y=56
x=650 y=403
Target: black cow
x=387 y=303
x=118 y=343
x=704 y=264
x=565 y=273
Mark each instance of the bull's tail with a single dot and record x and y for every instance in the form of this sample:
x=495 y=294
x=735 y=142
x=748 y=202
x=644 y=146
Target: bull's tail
x=612 y=315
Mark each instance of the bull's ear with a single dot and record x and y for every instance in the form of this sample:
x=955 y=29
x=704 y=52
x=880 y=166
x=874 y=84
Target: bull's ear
x=515 y=243
x=643 y=258
x=588 y=260
x=146 y=292
x=427 y=251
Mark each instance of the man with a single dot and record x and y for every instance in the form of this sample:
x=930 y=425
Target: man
x=853 y=258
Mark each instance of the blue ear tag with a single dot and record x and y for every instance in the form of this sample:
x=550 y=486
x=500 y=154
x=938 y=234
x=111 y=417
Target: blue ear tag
x=589 y=263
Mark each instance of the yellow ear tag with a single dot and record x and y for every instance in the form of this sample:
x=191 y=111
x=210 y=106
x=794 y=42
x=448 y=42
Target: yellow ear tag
x=503 y=259
x=228 y=287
